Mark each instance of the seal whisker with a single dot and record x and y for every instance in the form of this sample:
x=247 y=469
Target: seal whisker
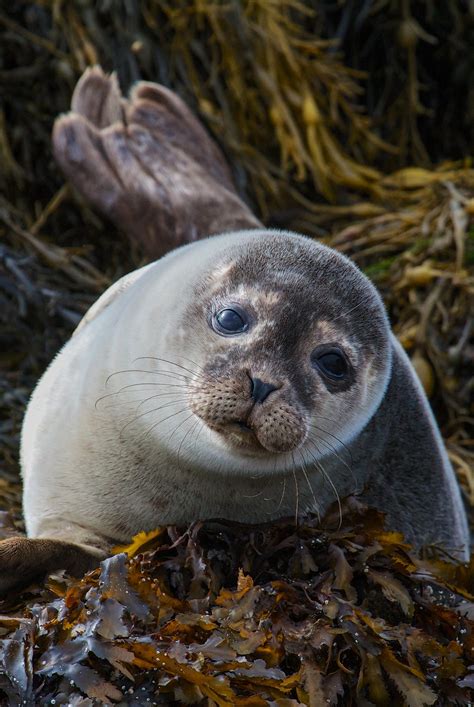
x=159 y=395
x=360 y=304
x=205 y=373
x=283 y=484
x=124 y=404
x=148 y=412
x=199 y=430
x=349 y=467
x=297 y=492
x=343 y=445
x=303 y=469
x=252 y=495
x=179 y=412
x=141 y=400
x=282 y=493
x=184 y=437
x=182 y=386
x=328 y=478
x=169 y=374
x=332 y=449
x=191 y=430
x=171 y=363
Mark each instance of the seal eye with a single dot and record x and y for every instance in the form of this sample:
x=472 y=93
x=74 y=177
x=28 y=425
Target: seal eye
x=230 y=321
x=332 y=363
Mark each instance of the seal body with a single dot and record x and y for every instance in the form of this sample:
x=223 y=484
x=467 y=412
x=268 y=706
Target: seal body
x=247 y=376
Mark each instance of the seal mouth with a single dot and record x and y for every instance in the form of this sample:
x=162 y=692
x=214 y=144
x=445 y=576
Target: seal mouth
x=241 y=436
x=243 y=426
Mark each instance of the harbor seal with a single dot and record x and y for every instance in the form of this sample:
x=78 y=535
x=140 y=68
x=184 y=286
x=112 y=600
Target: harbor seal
x=247 y=376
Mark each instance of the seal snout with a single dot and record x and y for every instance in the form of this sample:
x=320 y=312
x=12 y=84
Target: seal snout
x=251 y=413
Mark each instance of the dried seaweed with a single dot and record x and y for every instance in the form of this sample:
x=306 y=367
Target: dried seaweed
x=417 y=58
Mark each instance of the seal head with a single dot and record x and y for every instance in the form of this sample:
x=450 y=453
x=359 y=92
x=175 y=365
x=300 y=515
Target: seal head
x=289 y=341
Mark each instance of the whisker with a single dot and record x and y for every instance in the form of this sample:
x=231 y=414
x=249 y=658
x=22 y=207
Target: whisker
x=303 y=469
x=184 y=437
x=343 y=445
x=180 y=412
x=171 y=363
x=170 y=374
x=159 y=395
x=282 y=493
x=182 y=386
x=253 y=495
x=206 y=373
x=297 y=492
x=283 y=484
x=191 y=430
x=139 y=401
x=333 y=451
x=199 y=430
x=148 y=412
x=328 y=478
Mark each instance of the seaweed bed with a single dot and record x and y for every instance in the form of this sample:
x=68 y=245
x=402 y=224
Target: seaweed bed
x=356 y=129
x=268 y=614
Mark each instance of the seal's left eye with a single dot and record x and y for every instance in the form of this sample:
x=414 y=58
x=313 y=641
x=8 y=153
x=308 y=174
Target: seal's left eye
x=331 y=362
x=230 y=321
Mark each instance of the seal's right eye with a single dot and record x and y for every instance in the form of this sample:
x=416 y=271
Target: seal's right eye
x=230 y=321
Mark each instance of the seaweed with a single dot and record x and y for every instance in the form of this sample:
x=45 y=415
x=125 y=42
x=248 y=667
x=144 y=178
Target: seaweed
x=219 y=613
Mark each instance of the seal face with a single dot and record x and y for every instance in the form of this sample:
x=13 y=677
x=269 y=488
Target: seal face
x=296 y=343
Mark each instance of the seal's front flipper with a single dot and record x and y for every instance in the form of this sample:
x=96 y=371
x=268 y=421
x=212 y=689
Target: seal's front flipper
x=147 y=164
x=23 y=560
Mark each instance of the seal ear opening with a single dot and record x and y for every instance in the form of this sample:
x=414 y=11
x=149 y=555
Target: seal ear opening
x=23 y=560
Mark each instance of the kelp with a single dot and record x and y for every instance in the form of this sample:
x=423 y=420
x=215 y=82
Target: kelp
x=220 y=613
x=417 y=58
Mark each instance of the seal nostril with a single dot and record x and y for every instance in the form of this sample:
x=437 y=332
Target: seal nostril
x=261 y=390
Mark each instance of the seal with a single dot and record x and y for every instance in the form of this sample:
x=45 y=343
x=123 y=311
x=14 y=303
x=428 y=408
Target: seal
x=247 y=376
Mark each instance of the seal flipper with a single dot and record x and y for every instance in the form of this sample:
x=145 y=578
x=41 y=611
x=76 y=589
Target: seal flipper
x=413 y=481
x=147 y=164
x=23 y=560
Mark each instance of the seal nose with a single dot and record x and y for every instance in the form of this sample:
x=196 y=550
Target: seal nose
x=261 y=390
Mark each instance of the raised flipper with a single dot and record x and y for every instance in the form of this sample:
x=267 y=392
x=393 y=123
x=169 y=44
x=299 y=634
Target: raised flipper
x=147 y=164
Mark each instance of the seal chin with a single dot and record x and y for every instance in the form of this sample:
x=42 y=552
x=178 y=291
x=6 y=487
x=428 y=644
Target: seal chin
x=252 y=441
